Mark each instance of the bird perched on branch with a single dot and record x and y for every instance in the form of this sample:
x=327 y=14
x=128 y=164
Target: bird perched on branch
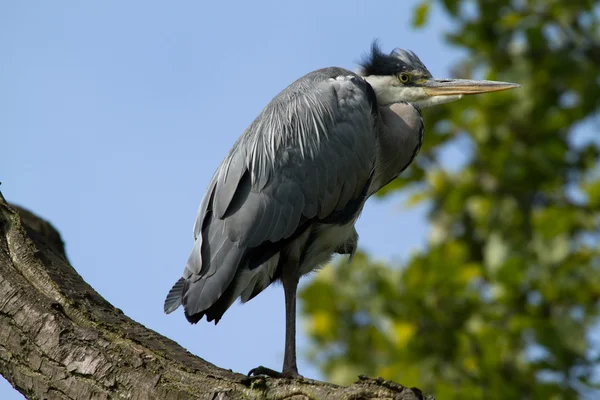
x=288 y=194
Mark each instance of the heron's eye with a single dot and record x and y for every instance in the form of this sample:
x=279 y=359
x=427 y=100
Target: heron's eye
x=404 y=77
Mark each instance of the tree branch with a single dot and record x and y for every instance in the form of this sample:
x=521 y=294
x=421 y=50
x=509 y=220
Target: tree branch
x=59 y=339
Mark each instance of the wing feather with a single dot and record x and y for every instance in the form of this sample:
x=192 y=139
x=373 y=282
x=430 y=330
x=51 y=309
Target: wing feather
x=229 y=177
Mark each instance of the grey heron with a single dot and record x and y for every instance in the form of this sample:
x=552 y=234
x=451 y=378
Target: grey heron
x=288 y=194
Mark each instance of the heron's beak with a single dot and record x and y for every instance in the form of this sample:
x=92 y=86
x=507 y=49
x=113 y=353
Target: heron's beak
x=453 y=87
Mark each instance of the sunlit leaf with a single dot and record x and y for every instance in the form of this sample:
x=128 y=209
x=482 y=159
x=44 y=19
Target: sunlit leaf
x=403 y=332
x=420 y=14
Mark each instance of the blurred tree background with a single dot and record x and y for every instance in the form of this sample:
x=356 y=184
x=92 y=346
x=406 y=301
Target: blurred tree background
x=504 y=301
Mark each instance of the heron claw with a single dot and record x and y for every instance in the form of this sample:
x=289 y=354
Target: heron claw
x=264 y=371
x=260 y=370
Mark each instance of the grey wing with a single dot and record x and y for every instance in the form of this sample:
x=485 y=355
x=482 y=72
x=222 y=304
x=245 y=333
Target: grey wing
x=307 y=158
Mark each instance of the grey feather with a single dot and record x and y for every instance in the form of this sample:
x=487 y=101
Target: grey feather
x=230 y=176
x=202 y=291
x=173 y=300
x=202 y=210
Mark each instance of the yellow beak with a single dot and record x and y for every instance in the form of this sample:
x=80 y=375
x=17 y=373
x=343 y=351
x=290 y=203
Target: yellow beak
x=449 y=87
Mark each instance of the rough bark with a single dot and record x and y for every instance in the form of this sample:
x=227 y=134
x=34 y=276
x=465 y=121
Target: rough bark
x=59 y=339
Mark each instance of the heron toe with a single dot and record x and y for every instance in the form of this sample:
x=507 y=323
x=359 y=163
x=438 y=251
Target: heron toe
x=264 y=371
x=260 y=370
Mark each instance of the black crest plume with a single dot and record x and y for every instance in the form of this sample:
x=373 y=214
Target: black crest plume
x=378 y=63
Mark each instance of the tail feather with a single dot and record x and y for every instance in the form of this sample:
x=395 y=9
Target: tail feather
x=173 y=300
x=245 y=283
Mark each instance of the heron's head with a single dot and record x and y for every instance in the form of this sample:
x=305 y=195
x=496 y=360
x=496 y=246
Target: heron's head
x=401 y=77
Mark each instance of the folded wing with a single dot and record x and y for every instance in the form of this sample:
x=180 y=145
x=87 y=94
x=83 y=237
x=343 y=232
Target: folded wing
x=307 y=158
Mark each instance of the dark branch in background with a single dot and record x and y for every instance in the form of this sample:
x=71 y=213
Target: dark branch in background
x=59 y=339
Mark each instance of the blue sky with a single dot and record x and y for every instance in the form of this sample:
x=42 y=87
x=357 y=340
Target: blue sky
x=114 y=115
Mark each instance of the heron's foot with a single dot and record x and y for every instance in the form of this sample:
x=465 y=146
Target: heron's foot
x=264 y=371
x=291 y=374
x=260 y=370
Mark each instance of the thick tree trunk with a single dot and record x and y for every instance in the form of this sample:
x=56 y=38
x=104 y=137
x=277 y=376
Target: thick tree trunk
x=59 y=339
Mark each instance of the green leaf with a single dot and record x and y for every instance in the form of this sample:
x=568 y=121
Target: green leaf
x=420 y=14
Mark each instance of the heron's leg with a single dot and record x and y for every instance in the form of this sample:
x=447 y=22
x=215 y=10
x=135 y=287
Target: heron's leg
x=290 y=275
x=290 y=286
x=290 y=369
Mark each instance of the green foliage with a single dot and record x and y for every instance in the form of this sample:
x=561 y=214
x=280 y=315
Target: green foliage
x=502 y=302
